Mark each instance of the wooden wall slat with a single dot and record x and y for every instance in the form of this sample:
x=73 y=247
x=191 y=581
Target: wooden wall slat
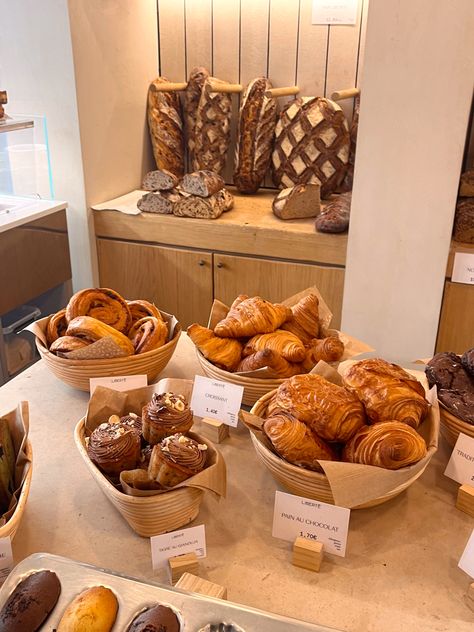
x=253 y=39
x=363 y=31
x=283 y=42
x=312 y=50
x=198 y=34
x=172 y=43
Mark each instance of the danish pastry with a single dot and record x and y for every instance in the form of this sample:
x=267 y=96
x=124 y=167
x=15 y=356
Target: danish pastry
x=57 y=325
x=103 y=304
x=147 y=334
x=91 y=330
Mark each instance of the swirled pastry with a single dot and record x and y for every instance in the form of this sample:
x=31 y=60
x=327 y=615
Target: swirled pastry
x=223 y=352
x=114 y=446
x=271 y=359
x=140 y=309
x=252 y=316
x=91 y=329
x=175 y=459
x=296 y=443
x=285 y=343
x=391 y=444
x=103 y=304
x=305 y=321
x=148 y=333
x=57 y=325
x=65 y=344
x=327 y=349
x=330 y=411
x=165 y=415
x=387 y=391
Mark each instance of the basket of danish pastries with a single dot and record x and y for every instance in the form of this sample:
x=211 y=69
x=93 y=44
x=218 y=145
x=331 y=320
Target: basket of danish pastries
x=453 y=376
x=140 y=449
x=100 y=334
x=355 y=437
x=258 y=344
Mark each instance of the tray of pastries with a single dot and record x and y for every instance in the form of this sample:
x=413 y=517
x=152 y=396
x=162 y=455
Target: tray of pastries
x=48 y=592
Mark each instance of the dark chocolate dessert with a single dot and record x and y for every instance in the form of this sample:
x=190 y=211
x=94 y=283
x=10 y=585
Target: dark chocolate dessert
x=450 y=373
x=156 y=619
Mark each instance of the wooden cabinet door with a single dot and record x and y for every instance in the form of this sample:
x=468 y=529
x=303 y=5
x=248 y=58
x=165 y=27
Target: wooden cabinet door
x=456 y=325
x=276 y=280
x=177 y=281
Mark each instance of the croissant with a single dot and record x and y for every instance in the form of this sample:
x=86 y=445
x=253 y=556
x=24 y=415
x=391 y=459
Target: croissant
x=252 y=316
x=387 y=391
x=57 y=325
x=271 y=359
x=103 y=304
x=91 y=330
x=240 y=298
x=148 y=333
x=327 y=349
x=330 y=411
x=391 y=444
x=64 y=344
x=305 y=321
x=140 y=309
x=295 y=442
x=285 y=343
x=225 y=352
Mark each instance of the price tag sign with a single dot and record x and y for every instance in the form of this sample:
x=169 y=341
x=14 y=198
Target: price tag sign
x=192 y=540
x=295 y=516
x=334 y=11
x=119 y=382
x=466 y=563
x=461 y=464
x=6 y=558
x=217 y=400
x=463 y=268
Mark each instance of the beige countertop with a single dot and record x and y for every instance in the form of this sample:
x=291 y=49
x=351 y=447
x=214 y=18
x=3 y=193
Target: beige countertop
x=400 y=572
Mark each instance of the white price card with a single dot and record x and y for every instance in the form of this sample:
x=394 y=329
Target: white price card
x=295 y=516
x=466 y=563
x=119 y=382
x=217 y=400
x=6 y=558
x=192 y=540
x=461 y=464
x=334 y=11
x=463 y=268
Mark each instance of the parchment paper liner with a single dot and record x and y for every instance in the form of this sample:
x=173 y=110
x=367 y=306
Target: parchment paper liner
x=353 y=484
x=18 y=423
x=105 y=402
x=352 y=346
x=99 y=350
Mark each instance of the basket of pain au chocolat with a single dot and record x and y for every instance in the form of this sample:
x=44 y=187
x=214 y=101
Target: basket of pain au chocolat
x=258 y=344
x=355 y=437
x=142 y=452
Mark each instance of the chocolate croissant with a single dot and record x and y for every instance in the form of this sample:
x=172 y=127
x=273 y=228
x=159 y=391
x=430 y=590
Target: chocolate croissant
x=57 y=325
x=271 y=359
x=252 y=316
x=295 y=442
x=65 y=344
x=327 y=349
x=224 y=352
x=391 y=445
x=148 y=333
x=285 y=343
x=305 y=321
x=330 y=411
x=91 y=330
x=387 y=391
x=103 y=304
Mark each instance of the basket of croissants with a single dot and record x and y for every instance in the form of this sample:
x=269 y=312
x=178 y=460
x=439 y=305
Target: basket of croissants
x=355 y=437
x=100 y=334
x=258 y=344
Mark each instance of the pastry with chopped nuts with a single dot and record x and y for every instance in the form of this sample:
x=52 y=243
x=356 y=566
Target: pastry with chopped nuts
x=165 y=415
x=114 y=445
x=176 y=459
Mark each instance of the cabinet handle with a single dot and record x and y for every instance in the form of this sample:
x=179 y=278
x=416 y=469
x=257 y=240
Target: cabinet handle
x=201 y=262
x=220 y=264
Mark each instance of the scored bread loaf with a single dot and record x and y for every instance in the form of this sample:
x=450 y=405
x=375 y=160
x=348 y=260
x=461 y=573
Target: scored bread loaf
x=297 y=202
x=161 y=202
x=464 y=220
x=311 y=144
x=203 y=183
x=166 y=128
x=192 y=97
x=212 y=129
x=160 y=180
x=257 y=119
x=349 y=177
x=210 y=207
x=466 y=188
x=334 y=217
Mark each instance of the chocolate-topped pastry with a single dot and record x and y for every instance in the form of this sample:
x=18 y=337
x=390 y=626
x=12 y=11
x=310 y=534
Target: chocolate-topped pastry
x=30 y=603
x=165 y=415
x=175 y=459
x=114 y=446
x=460 y=403
x=467 y=360
x=156 y=619
x=446 y=371
x=145 y=456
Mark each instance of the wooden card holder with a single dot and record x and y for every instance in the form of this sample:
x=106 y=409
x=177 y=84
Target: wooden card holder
x=308 y=554
x=282 y=92
x=186 y=563
x=214 y=430
x=195 y=584
x=465 y=499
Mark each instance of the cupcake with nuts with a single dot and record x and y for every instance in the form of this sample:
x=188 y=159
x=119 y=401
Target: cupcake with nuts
x=115 y=445
x=165 y=415
x=176 y=459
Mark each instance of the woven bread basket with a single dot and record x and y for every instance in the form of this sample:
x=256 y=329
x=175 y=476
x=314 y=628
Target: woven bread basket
x=303 y=482
x=451 y=426
x=10 y=528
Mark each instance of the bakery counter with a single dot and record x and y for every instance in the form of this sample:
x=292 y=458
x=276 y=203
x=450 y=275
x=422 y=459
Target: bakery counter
x=400 y=572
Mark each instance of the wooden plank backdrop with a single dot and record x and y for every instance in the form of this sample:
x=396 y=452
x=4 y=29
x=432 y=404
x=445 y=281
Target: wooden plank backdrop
x=238 y=40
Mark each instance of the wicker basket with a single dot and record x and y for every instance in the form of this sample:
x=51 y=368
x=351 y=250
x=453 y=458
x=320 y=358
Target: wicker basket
x=10 y=528
x=451 y=426
x=77 y=373
x=302 y=482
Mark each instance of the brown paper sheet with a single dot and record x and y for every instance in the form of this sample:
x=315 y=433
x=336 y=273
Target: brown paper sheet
x=105 y=402
x=353 y=484
x=18 y=423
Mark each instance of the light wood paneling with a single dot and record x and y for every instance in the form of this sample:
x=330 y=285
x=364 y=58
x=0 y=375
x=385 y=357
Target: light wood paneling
x=177 y=281
x=276 y=280
x=172 y=39
x=312 y=51
x=253 y=39
x=199 y=34
x=456 y=328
